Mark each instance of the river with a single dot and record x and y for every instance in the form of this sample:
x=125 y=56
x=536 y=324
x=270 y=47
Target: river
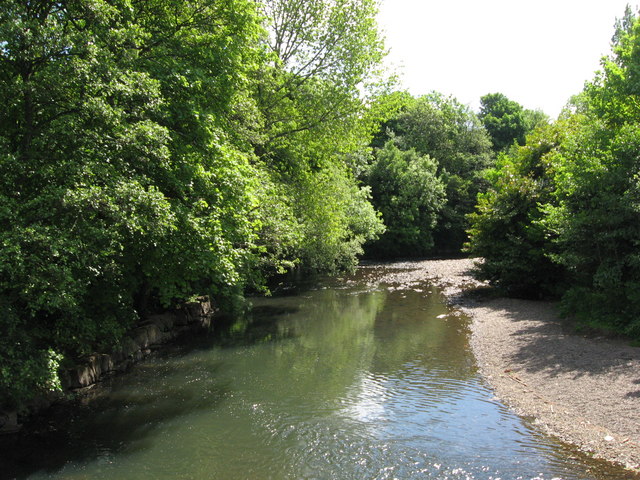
x=347 y=379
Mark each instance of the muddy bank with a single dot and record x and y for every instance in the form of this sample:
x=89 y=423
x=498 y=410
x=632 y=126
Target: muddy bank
x=585 y=391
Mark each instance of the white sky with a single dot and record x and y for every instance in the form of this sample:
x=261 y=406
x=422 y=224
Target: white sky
x=536 y=52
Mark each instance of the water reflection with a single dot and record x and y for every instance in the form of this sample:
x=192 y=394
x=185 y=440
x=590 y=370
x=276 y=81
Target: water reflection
x=345 y=381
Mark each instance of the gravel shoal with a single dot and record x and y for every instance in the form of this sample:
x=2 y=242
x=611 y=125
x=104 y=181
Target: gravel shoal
x=583 y=390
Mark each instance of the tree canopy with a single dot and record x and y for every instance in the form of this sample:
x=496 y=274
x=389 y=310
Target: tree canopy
x=562 y=214
x=507 y=121
x=152 y=151
x=451 y=135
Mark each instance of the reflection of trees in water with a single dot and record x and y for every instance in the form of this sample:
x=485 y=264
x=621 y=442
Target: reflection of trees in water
x=325 y=340
x=303 y=379
x=407 y=330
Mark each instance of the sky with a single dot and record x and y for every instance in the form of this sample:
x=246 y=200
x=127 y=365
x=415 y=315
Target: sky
x=536 y=52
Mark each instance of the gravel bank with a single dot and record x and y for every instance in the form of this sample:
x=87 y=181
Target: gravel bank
x=586 y=391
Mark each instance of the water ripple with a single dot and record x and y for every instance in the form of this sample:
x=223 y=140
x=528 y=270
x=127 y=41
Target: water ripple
x=353 y=383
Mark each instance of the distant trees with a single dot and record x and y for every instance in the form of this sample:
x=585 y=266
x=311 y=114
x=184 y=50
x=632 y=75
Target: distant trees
x=451 y=136
x=507 y=121
x=408 y=193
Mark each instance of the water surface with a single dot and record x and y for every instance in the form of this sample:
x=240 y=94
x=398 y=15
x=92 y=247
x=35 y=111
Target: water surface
x=341 y=381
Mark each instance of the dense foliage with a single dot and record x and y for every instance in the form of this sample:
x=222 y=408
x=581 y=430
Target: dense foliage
x=506 y=121
x=451 y=135
x=152 y=151
x=506 y=229
x=572 y=215
x=312 y=94
x=409 y=195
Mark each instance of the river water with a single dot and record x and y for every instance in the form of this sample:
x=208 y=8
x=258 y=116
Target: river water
x=345 y=380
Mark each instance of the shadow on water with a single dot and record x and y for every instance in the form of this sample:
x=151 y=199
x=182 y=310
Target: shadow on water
x=336 y=380
x=121 y=415
x=115 y=422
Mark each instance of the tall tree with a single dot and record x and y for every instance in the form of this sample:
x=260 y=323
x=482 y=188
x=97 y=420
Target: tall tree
x=153 y=150
x=119 y=187
x=507 y=121
x=313 y=97
x=325 y=56
x=578 y=204
x=598 y=194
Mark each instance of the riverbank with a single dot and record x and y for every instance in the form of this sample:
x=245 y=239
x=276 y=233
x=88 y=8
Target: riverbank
x=137 y=344
x=583 y=390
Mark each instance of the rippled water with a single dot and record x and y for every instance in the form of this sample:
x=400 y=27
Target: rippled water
x=343 y=381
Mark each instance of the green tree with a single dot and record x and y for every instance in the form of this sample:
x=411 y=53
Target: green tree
x=507 y=229
x=578 y=203
x=119 y=188
x=507 y=121
x=406 y=189
x=313 y=95
x=597 y=220
x=154 y=150
x=325 y=56
x=597 y=216
x=450 y=134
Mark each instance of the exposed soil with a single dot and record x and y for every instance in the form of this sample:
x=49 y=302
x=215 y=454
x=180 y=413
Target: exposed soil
x=583 y=390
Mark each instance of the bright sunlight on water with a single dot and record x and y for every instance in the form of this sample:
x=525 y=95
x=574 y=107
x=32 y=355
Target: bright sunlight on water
x=341 y=381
